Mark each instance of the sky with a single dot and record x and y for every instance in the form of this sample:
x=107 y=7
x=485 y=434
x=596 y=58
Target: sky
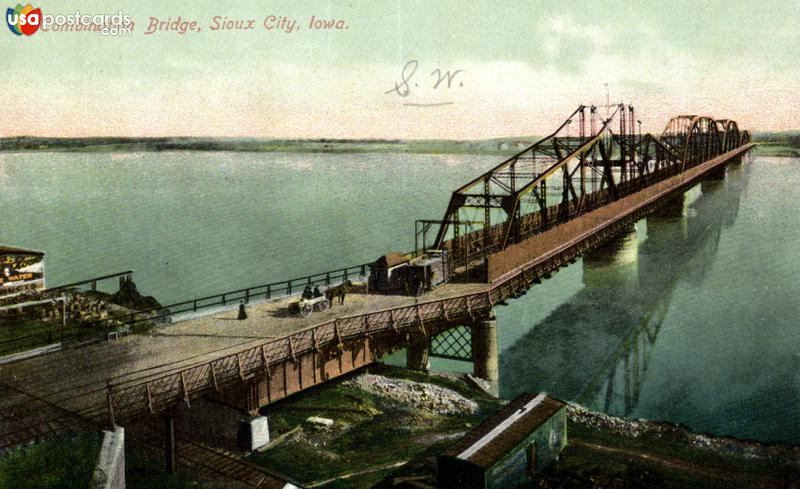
x=517 y=68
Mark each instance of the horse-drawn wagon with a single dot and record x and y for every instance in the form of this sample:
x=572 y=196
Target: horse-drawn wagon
x=305 y=306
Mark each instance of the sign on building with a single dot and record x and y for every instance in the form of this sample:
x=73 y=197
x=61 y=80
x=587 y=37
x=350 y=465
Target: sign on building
x=20 y=270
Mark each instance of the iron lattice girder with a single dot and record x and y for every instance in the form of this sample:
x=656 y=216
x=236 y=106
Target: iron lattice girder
x=494 y=201
x=513 y=160
x=586 y=147
x=505 y=176
x=453 y=344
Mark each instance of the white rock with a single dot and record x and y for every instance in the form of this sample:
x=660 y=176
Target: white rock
x=326 y=422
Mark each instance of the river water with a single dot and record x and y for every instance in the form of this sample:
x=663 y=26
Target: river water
x=693 y=317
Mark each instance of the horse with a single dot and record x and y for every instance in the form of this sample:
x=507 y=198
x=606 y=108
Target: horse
x=339 y=291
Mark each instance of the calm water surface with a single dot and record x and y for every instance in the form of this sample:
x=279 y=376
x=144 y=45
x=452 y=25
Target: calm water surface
x=693 y=317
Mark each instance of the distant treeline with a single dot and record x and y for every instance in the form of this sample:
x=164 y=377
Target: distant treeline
x=790 y=138
x=117 y=144
x=772 y=143
x=785 y=143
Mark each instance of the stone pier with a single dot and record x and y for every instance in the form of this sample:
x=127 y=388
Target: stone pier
x=485 y=352
x=614 y=263
x=671 y=208
x=716 y=174
x=418 y=355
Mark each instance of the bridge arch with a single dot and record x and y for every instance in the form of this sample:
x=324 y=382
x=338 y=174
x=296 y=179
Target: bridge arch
x=703 y=141
x=745 y=138
x=677 y=125
x=732 y=136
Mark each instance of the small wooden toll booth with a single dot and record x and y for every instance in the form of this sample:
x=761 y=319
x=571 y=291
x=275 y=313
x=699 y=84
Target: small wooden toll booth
x=508 y=448
x=387 y=273
x=20 y=270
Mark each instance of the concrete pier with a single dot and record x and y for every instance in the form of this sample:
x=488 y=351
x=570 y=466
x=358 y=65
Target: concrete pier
x=671 y=208
x=485 y=353
x=614 y=263
x=667 y=215
x=418 y=355
x=716 y=174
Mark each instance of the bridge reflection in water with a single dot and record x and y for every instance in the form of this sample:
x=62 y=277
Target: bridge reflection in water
x=596 y=346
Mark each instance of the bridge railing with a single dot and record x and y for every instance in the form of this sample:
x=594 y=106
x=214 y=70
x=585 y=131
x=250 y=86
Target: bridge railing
x=153 y=393
x=271 y=291
x=90 y=281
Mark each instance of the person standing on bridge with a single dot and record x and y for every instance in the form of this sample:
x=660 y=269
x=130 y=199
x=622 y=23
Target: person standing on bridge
x=242 y=312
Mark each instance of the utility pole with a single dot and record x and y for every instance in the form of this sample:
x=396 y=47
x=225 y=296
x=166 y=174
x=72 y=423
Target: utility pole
x=640 y=130
x=63 y=316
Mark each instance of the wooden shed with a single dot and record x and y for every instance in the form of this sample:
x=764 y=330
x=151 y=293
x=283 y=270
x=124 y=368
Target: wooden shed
x=387 y=273
x=20 y=270
x=508 y=448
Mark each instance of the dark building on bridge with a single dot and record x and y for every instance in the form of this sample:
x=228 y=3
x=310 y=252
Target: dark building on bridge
x=388 y=273
x=509 y=448
x=399 y=273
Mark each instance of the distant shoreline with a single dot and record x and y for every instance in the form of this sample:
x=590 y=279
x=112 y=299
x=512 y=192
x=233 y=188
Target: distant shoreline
x=771 y=144
x=498 y=146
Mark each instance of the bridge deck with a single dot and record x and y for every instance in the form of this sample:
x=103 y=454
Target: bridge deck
x=77 y=379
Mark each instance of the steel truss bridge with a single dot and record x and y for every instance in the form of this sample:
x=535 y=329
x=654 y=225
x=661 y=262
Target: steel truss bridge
x=512 y=226
x=564 y=176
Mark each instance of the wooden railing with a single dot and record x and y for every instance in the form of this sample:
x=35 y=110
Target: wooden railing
x=151 y=394
x=90 y=281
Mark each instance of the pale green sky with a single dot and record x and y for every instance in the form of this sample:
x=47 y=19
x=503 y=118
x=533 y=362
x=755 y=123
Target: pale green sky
x=525 y=65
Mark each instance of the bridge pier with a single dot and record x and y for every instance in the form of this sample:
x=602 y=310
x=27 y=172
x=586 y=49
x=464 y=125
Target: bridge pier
x=485 y=353
x=418 y=355
x=615 y=262
x=716 y=174
x=170 y=449
x=252 y=400
x=713 y=179
x=708 y=186
x=673 y=207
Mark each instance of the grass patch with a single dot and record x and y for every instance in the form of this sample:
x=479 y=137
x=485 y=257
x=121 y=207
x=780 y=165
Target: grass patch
x=66 y=462
x=580 y=466
x=370 y=431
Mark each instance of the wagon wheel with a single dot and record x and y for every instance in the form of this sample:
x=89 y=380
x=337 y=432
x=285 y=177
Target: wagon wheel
x=324 y=304
x=306 y=309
